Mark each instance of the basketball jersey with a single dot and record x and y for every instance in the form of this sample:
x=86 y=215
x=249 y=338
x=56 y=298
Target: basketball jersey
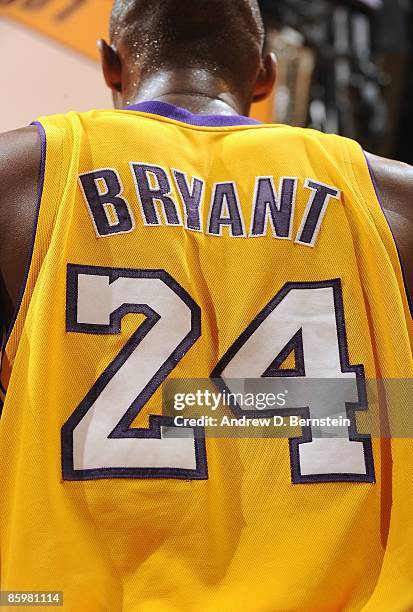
x=171 y=246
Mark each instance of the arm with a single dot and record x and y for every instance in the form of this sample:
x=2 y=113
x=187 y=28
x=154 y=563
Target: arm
x=20 y=161
x=395 y=186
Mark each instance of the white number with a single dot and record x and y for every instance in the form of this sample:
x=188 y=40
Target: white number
x=315 y=312
x=98 y=441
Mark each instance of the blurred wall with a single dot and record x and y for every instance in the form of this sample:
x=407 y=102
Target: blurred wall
x=42 y=77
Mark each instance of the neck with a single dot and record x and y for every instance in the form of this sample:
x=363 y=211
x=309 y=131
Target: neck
x=196 y=90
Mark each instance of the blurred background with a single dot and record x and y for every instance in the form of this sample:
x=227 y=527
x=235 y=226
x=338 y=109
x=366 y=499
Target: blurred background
x=344 y=66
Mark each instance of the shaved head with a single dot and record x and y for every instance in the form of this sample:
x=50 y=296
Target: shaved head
x=225 y=36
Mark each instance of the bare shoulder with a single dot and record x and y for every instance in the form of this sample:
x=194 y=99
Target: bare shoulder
x=20 y=152
x=20 y=161
x=20 y=164
x=395 y=183
x=395 y=186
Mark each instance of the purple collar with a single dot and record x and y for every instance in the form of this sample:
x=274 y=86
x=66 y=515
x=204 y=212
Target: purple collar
x=180 y=114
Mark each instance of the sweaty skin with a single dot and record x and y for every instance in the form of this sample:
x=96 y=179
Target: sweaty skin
x=20 y=158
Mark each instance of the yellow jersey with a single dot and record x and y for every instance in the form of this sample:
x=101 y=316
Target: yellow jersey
x=175 y=246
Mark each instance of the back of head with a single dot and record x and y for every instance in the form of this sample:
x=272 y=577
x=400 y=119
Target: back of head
x=225 y=36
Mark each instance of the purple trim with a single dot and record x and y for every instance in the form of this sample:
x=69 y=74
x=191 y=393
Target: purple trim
x=164 y=109
x=376 y=189
x=42 y=134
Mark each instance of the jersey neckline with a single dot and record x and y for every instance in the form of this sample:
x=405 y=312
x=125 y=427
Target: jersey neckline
x=170 y=111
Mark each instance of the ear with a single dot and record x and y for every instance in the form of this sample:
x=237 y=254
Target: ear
x=266 y=78
x=111 y=66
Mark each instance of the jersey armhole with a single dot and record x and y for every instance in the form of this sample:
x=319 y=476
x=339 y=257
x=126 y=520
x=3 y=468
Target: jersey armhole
x=357 y=161
x=40 y=183
x=409 y=297
x=51 y=155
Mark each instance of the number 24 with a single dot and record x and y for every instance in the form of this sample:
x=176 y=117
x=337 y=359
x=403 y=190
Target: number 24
x=97 y=439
